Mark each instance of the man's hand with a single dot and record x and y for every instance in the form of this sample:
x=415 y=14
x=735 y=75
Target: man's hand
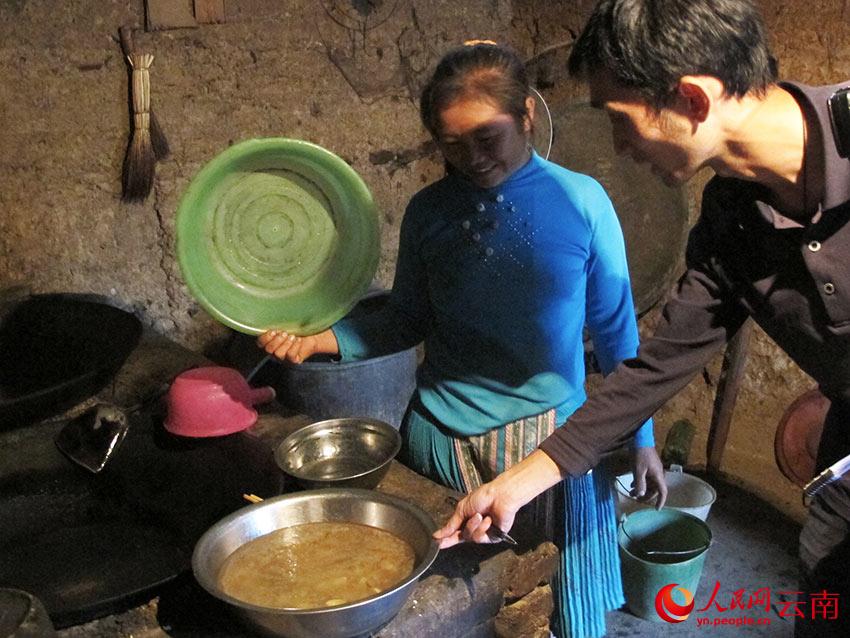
x=497 y=502
x=468 y=524
x=648 y=472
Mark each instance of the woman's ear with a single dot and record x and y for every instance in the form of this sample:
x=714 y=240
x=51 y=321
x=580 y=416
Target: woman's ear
x=527 y=121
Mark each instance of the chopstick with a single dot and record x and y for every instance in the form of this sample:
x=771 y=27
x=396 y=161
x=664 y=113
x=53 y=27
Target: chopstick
x=494 y=532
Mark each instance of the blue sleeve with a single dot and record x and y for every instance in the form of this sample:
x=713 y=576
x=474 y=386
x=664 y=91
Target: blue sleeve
x=610 y=309
x=405 y=319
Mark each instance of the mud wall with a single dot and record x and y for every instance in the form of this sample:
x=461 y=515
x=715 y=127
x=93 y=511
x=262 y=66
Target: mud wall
x=341 y=73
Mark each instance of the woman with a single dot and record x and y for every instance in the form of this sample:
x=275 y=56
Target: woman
x=501 y=264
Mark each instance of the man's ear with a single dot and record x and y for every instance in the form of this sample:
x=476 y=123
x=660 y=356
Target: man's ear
x=527 y=121
x=696 y=94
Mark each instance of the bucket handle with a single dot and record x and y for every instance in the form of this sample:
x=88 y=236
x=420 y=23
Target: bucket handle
x=674 y=468
x=257 y=367
x=627 y=492
x=661 y=552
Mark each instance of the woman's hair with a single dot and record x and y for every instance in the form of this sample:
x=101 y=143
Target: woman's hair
x=487 y=71
x=649 y=45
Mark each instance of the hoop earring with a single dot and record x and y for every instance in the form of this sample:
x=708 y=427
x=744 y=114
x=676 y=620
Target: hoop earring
x=548 y=117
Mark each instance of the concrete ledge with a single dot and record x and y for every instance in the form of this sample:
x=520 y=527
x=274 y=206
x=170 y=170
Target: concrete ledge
x=471 y=591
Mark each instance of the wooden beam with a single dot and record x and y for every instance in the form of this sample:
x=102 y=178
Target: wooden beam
x=169 y=14
x=209 y=11
x=731 y=375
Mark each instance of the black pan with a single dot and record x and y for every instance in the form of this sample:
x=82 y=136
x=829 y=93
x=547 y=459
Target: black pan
x=57 y=350
x=88 y=544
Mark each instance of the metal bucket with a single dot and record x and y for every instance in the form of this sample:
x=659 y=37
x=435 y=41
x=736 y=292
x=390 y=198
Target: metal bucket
x=379 y=388
x=661 y=550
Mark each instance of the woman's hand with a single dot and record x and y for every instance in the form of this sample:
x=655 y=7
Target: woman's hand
x=497 y=502
x=288 y=347
x=648 y=472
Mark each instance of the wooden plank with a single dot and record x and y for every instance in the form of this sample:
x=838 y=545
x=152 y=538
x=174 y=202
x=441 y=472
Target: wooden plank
x=209 y=11
x=169 y=14
x=731 y=375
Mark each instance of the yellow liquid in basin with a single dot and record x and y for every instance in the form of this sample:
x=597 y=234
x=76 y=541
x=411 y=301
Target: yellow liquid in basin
x=316 y=565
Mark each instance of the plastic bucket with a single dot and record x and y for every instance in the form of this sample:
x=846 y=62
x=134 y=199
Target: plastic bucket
x=685 y=493
x=660 y=548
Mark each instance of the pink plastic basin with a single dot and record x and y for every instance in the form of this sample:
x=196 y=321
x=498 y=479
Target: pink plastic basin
x=212 y=401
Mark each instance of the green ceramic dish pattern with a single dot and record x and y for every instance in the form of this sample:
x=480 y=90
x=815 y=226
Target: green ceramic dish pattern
x=277 y=233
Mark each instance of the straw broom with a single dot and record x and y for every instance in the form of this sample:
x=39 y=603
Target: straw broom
x=148 y=142
x=160 y=144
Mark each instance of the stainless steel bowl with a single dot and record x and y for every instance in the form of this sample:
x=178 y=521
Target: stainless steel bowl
x=350 y=452
x=368 y=507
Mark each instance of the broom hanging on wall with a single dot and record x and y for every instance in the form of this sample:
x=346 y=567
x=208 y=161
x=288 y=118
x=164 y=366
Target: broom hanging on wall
x=147 y=142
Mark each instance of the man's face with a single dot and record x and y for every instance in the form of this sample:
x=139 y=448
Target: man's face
x=665 y=138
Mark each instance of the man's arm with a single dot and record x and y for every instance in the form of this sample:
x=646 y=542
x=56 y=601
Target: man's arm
x=497 y=502
x=700 y=317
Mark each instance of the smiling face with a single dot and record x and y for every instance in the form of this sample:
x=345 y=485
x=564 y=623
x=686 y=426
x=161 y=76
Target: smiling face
x=667 y=138
x=483 y=143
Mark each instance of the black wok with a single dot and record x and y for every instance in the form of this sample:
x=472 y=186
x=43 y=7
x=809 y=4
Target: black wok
x=88 y=545
x=57 y=350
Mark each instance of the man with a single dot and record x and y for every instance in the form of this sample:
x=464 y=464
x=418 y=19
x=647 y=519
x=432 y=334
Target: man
x=691 y=84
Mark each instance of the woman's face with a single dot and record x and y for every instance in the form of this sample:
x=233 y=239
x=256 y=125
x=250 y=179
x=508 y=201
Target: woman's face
x=481 y=142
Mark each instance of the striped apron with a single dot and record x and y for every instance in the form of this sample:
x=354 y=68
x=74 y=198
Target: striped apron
x=577 y=514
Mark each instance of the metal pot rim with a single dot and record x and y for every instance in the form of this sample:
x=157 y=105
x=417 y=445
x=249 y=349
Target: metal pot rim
x=209 y=584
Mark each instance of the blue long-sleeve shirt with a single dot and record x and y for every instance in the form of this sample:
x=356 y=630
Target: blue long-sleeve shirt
x=499 y=283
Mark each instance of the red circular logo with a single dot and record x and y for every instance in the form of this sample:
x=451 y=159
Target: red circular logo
x=668 y=609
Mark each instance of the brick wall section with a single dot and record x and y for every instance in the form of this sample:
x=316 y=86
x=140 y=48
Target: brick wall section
x=528 y=616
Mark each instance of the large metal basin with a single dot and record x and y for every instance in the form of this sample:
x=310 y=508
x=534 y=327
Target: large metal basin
x=367 y=507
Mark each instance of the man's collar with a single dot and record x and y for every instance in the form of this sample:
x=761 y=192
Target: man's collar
x=814 y=104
